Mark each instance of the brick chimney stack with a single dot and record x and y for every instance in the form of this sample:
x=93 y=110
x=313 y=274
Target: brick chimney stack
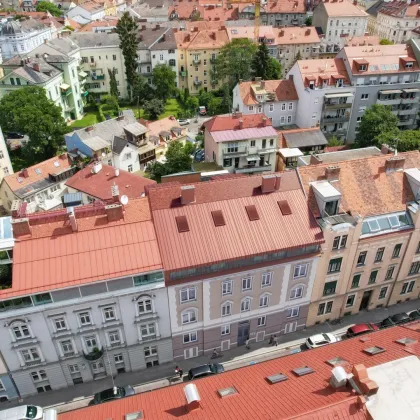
x=21 y=227
x=73 y=221
x=241 y=124
x=187 y=194
x=115 y=193
x=114 y=212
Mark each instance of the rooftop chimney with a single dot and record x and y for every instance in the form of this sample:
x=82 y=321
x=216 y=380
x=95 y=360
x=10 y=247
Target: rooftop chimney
x=187 y=194
x=332 y=173
x=241 y=123
x=115 y=193
x=114 y=212
x=395 y=163
x=192 y=396
x=386 y=149
x=268 y=183
x=73 y=221
x=21 y=227
x=281 y=33
x=14 y=208
x=262 y=84
x=36 y=67
x=25 y=173
x=89 y=128
x=265 y=121
x=366 y=385
x=278 y=182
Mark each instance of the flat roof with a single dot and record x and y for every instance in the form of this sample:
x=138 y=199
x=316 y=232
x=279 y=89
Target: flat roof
x=305 y=138
x=325 y=189
x=293 y=152
x=332 y=157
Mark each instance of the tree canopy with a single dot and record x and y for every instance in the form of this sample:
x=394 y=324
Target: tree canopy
x=154 y=108
x=378 y=119
x=234 y=62
x=385 y=41
x=260 y=62
x=29 y=111
x=164 y=80
x=113 y=87
x=46 y=6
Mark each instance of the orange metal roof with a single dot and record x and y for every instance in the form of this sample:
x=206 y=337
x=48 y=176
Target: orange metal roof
x=362 y=179
x=99 y=185
x=239 y=237
x=54 y=257
x=306 y=397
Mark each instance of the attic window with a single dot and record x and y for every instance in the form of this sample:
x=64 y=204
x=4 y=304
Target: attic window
x=218 y=218
x=252 y=213
x=374 y=225
x=226 y=392
x=284 y=207
x=38 y=171
x=362 y=67
x=302 y=371
x=406 y=341
x=374 y=350
x=274 y=379
x=182 y=224
x=337 y=361
x=134 y=416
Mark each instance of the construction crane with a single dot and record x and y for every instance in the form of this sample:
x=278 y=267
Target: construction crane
x=257 y=22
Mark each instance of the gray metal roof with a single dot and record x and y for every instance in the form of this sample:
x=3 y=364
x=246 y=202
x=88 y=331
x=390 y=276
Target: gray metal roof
x=72 y=198
x=92 y=39
x=118 y=144
x=305 y=138
x=136 y=129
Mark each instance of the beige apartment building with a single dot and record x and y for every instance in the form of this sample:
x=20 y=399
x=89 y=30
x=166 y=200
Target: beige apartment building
x=367 y=211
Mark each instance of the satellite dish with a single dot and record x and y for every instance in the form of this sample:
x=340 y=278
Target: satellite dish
x=124 y=200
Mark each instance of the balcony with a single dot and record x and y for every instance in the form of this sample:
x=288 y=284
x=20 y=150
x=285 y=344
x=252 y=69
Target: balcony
x=409 y=100
x=183 y=73
x=94 y=355
x=197 y=62
x=252 y=169
x=326 y=119
x=235 y=152
x=337 y=105
x=266 y=150
x=410 y=111
x=405 y=122
x=197 y=82
x=33 y=363
x=66 y=92
x=388 y=101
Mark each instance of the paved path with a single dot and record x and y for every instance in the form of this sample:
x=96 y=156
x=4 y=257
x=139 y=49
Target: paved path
x=78 y=395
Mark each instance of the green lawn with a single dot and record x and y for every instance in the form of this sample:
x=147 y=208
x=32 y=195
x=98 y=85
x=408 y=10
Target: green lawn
x=90 y=118
x=172 y=107
x=206 y=166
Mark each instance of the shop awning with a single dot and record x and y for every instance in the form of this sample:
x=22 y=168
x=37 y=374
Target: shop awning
x=411 y=90
x=338 y=95
x=64 y=86
x=83 y=74
x=252 y=158
x=389 y=92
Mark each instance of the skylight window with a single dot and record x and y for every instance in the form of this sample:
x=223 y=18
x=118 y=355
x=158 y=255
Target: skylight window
x=278 y=377
x=218 y=218
x=19 y=179
x=226 y=392
x=393 y=220
x=406 y=341
x=38 y=171
x=252 y=213
x=138 y=415
x=284 y=207
x=302 y=371
x=373 y=225
x=374 y=350
x=337 y=361
x=182 y=224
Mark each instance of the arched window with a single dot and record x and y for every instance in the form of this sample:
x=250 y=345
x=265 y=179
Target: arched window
x=246 y=304
x=188 y=316
x=145 y=305
x=296 y=292
x=227 y=308
x=264 y=299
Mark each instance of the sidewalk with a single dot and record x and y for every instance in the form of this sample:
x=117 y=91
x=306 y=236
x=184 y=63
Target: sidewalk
x=81 y=391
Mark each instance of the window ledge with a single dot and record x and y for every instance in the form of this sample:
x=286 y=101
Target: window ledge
x=146 y=316
x=25 y=342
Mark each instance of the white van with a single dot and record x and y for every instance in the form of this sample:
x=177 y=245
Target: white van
x=24 y=412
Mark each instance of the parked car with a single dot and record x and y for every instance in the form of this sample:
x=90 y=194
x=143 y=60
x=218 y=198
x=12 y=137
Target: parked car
x=115 y=393
x=319 y=340
x=396 y=319
x=23 y=412
x=360 y=329
x=14 y=135
x=183 y=121
x=199 y=155
x=414 y=314
x=205 y=370
x=202 y=110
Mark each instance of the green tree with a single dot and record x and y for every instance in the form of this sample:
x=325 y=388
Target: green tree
x=227 y=101
x=377 y=119
x=46 y=6
x=260 y=62
x=234 y=61
x=110 y=104
x=141 y=90
x=164 y=80
x=274 y=69
x=191 y=104
x=29 y=111
x=127 y=33
x=189 y=148
x=404 y=141
x=298 y=57
x=308 y=21
x=204 y=98
x=334 y=141
x=214 y=106
x=154 y=108
x=113 y=88
x=385 y=41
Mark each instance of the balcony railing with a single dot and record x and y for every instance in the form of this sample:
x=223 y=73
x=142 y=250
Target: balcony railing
x=197 y=82
x=388 y=101
x=330 y=120
x=66 y=92
x=33 y=362
x=236 y=151
x=269 y=149
x=410 y=111
x=198 y=61
x=183 y=73
x=337 y=105
x=405 y=122
x=409 y=100
x=94 y=355
x=252 y=169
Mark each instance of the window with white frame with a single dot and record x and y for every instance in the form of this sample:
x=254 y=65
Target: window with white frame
x=114 y=337
x=90 y=342
x=30 y=355
x=289 y=119
x=190 y=337
x=296 y=292
x=300 y=270
x=266 y=279
x=227 y=309
x=74 y=368
x=283 y=107
x=290 y=106
x=148 y=330
x=225 y=329
x=247 y=283
x=350 y=301
x=250 y=108
x=227 y=287
x=39 y=375
x=407 y=287
x=60 y=324
x=109 y=313
x=261 y=321
x=271 y=108
x=339 y=242
x=264 y=299
x=246 y=305
x=150 y=351
x=118 y=358
x=67 y=346
x=84 y=318
x=21 y=331
x=189 y=316
x=293 y=312
x=188 y=294
x=145 y=305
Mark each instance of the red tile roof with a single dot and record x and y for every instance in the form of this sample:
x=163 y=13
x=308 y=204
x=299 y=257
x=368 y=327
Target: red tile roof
x=322 y=69
x=240 y=237
x=362 y=179
x=284 y=90
x=306 y=397
x=99 y=185
x=223 y=123
x=39 y=171
x=400 y=9
x=54 y=256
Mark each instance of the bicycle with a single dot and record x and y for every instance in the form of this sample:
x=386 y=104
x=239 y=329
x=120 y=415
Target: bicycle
x=336 y=321
x=216 y=355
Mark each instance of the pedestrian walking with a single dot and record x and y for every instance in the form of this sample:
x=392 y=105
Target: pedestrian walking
x=271 y=341
x=179 y=371
x=275 y=341
x=247 y=343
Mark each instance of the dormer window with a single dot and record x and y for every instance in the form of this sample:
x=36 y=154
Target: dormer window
x=409 y=65
x=362 y=67
x=312 y=85
x=339 y=83
x=327 y=198
x=331 y=207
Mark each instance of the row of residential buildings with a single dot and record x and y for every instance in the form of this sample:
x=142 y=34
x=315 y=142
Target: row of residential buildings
x=138 y=285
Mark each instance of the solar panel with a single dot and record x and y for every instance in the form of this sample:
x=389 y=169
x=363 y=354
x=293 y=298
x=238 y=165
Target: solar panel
x=252 y=213
x=218 y=218
x=406 y=341
x=182 y=224
x=374 y=350
x=337 y=361
x=284 y=207
x=274 y=379
x=305 y=370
